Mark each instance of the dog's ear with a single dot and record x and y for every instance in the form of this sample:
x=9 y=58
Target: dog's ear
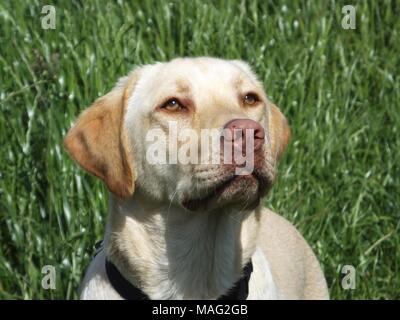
x=99 y=144
x=279 y=131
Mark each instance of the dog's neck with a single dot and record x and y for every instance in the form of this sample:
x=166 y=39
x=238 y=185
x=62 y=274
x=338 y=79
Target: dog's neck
x=171 y=253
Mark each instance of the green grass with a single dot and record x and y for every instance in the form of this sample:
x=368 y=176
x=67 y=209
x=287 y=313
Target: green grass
x=338 y=182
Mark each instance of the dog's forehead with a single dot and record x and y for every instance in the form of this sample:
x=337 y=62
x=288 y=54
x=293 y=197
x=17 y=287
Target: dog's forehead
x=186 y=74
x=206 y=71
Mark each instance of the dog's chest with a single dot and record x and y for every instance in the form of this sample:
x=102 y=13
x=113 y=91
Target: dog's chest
x=96 y=285
x=261 y=284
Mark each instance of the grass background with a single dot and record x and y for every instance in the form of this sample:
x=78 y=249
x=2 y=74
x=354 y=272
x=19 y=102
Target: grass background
x=339 y=180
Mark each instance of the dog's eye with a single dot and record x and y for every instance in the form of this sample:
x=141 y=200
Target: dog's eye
x=251 y=99
x=172 y=105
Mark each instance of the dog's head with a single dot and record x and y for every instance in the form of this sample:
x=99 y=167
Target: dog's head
x=193 y=132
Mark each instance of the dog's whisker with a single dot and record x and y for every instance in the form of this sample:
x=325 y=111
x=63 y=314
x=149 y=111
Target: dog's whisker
x=170 y=202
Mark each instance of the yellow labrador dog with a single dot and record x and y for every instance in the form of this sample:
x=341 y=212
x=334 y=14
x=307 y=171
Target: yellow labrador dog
x=181 y=229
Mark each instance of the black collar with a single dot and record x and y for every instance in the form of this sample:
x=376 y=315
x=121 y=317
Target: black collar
x=128 y=291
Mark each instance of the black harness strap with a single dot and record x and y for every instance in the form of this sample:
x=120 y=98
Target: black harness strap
x=128 y=291
x=125 y=289
x=240 y=290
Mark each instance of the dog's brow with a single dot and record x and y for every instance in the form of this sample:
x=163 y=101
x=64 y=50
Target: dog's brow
x=238 y=82
x=182 y=86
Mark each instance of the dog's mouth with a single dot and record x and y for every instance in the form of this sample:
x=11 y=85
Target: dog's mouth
x=247 y=189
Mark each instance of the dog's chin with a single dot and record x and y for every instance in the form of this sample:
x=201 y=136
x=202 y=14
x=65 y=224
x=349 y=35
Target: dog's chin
x=241 y=191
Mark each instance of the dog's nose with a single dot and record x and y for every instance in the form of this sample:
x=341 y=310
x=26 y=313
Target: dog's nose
x=242 y=128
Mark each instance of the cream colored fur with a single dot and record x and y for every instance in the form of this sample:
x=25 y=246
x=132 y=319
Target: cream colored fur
x=156 y=243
